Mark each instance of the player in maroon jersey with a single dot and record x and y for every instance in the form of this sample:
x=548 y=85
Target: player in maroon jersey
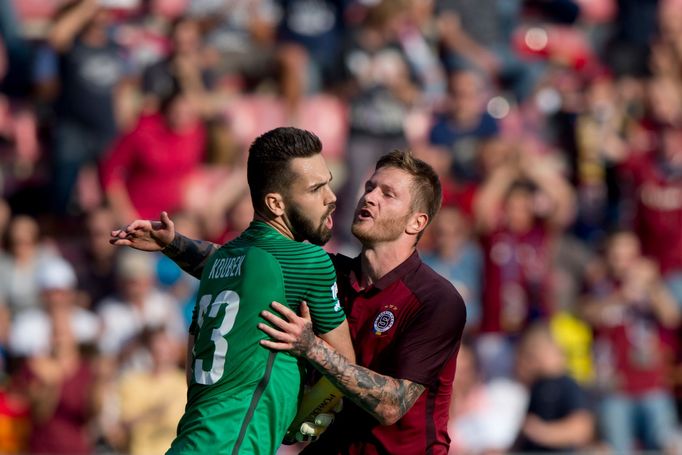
x=406 y=323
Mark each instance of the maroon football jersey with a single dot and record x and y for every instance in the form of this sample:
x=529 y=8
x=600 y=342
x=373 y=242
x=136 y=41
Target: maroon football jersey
x=408 y=325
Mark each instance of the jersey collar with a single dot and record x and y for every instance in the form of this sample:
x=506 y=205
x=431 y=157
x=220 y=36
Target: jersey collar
x=407 y=267
x=258 y=227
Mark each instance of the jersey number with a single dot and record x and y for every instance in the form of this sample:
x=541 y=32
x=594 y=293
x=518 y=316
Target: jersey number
x=231 y=301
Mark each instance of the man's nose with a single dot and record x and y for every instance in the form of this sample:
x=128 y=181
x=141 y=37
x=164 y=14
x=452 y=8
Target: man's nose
x=330 y=197
x=370 y=197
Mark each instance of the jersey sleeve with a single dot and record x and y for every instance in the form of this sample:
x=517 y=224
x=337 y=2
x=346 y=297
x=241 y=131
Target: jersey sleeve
x=433 y=337
x=310 y=276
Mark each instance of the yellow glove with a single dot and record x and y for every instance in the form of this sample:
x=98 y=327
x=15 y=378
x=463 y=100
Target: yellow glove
x=315 y=413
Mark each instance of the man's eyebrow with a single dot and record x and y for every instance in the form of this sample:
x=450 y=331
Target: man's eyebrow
x=316 y=185
x=387 y=187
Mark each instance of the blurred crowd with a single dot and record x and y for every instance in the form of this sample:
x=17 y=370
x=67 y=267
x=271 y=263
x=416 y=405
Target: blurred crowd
x=555 y=126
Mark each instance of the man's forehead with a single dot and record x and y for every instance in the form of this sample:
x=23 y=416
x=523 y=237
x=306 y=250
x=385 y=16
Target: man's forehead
x=392 y=176
x=309 y=168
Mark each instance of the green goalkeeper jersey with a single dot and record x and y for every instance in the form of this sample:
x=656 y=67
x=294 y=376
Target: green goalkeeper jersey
x=241 y=396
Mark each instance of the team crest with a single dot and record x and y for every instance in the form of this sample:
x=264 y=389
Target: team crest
x=383 y=322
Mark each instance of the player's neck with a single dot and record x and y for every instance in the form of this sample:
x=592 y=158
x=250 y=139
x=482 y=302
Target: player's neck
x=378 y=260
x=277 y=223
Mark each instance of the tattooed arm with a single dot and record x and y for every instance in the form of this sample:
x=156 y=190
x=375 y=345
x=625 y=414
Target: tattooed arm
x=190 y=255
x=146 y=235
x=387 y=399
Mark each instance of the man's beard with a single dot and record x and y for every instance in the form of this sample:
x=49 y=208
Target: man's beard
x=304 y=229
x=382 y=230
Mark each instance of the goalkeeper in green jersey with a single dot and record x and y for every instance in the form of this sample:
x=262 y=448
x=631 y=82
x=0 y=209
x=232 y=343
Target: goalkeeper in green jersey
x=241 y=396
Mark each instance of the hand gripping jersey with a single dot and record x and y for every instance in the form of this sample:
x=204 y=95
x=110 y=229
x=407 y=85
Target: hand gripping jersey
x=242 y=397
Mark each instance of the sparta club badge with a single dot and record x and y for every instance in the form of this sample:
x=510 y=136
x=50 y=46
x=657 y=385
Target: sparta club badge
x=383 y=322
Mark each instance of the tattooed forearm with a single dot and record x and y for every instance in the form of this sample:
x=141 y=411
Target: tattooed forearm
x=385 y=398
x=190 y=255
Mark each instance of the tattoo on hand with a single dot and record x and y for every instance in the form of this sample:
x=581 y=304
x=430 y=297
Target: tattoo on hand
x=303 y=344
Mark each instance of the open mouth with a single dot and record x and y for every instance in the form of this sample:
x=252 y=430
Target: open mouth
x=328 y=220
x=363 y=214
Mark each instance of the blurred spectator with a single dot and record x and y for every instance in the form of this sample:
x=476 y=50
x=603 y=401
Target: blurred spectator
x=18 y=285
x=136 y=305
x=418 y=36
x=95 y=260
x=32 y=329
x=600 y=132
x=58 y=380
x=92 y=93
x=186 y=67
x=485 y=417
x=153 y=400
x=465 y=122
x=147 y=169
x=381 y=94
x=630 y=309
x=457 y=257
x=518 y=210
x=558 y=417
x=20 y=150
x=657 y=180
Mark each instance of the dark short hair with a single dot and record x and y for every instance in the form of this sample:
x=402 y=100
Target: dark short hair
x=268 y=169
x=427 y=194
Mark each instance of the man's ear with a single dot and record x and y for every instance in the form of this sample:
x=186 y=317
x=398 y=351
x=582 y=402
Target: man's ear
x=417 y=223
x=274 y=203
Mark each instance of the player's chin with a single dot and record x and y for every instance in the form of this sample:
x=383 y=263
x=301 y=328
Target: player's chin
x=359 y=227
x=322 y=236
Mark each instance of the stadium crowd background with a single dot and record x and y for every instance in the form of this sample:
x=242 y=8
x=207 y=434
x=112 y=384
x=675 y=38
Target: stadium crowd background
x=555 y=125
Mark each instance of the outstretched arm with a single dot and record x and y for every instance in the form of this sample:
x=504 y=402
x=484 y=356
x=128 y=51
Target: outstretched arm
x=146 y=235
x=387 y=399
